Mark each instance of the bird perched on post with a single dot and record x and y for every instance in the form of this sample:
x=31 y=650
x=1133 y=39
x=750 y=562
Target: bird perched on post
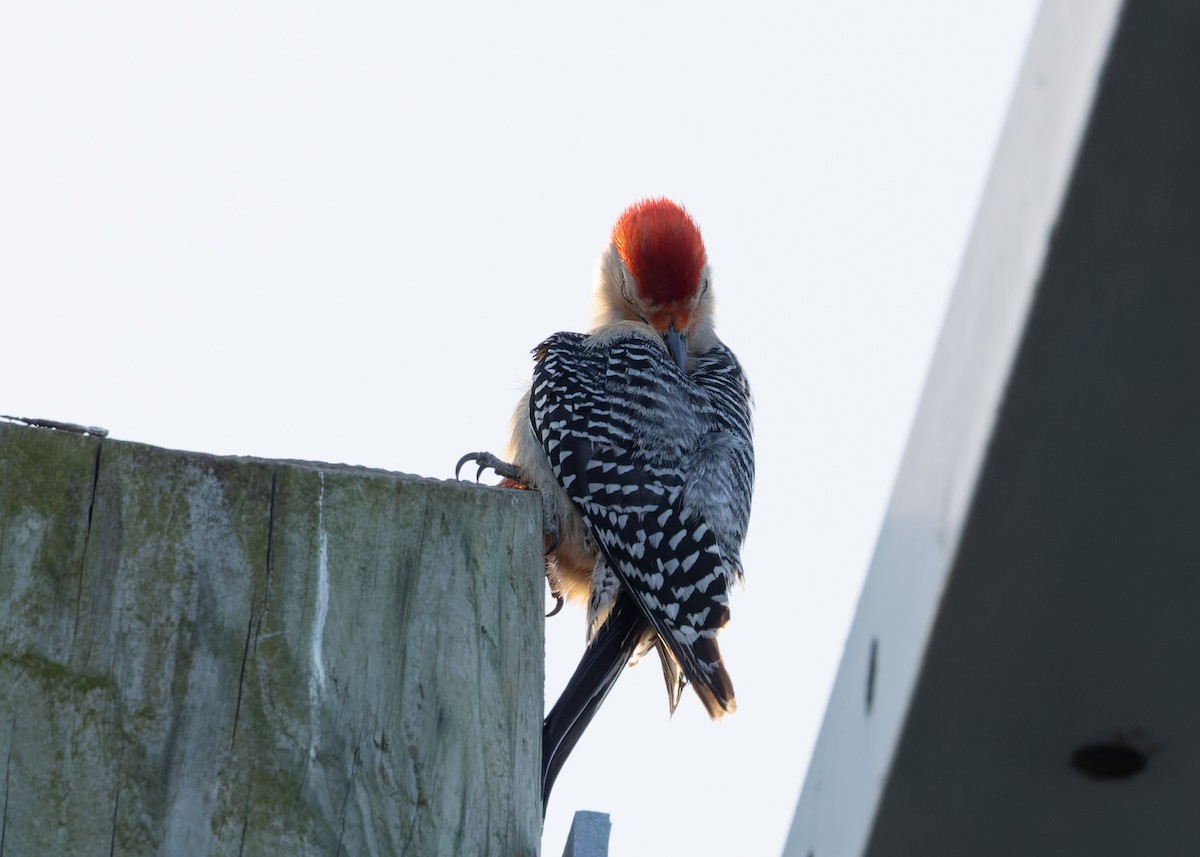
x=638 y=436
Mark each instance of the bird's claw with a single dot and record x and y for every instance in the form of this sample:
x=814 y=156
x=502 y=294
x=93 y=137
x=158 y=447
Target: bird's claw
x=558 y=604
x=549 y=522
x=487 y=461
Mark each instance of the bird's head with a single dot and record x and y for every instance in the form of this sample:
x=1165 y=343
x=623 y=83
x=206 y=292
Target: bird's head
x=655 y=271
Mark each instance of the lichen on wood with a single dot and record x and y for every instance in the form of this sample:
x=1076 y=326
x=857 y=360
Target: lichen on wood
x=239 y=656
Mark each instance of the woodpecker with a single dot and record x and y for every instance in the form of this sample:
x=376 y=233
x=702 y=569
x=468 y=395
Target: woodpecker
x=638 y=436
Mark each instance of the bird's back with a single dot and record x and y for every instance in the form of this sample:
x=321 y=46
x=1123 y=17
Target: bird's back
x=658 y=463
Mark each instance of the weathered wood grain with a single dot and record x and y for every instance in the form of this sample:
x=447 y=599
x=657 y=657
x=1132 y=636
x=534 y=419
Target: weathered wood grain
x=203 y=655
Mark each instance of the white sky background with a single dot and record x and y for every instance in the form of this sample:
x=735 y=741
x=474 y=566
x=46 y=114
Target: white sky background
x=335 y=233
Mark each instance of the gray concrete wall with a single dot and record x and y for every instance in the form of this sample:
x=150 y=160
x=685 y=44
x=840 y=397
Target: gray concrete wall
x=1019 y=678
x=203 y=655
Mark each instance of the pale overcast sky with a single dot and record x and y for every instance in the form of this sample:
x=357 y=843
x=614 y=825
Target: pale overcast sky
x=334 y=232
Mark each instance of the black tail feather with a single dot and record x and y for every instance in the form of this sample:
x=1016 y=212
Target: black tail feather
x=601 y=666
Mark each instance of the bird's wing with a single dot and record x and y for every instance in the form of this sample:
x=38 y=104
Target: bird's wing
x=621 y=424
x=722 y=469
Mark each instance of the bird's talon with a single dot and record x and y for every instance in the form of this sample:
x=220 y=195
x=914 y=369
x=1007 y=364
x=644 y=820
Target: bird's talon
x=487 y=461
x=470 y=456
x=549 y=520
x=558 y=604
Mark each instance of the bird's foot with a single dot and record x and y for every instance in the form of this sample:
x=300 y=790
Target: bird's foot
x=550 y=530
x=512 y=474
x=487 y=461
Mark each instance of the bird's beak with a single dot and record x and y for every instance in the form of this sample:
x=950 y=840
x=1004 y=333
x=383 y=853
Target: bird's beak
x=677 y=346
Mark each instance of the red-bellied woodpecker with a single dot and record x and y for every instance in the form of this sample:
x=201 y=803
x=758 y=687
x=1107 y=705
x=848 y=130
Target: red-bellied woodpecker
x=638 y=435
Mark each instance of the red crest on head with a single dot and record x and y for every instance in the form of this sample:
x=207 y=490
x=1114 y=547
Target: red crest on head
x=661 y=246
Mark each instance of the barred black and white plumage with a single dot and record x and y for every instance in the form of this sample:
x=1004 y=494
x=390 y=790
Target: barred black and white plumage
x=659 y=464
x=638 y=437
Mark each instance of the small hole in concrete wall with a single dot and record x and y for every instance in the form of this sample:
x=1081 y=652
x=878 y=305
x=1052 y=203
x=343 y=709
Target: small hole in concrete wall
x=1111 y=760
x=872 y=669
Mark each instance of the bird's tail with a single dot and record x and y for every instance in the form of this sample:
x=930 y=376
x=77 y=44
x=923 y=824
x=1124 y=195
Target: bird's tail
x=610 y=650
x=710 y=680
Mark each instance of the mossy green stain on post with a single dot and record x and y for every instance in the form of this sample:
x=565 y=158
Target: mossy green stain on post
x=54 y=676
x=157 y=670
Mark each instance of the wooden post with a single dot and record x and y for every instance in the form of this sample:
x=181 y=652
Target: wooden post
x=203 y=655
x=589 y=835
